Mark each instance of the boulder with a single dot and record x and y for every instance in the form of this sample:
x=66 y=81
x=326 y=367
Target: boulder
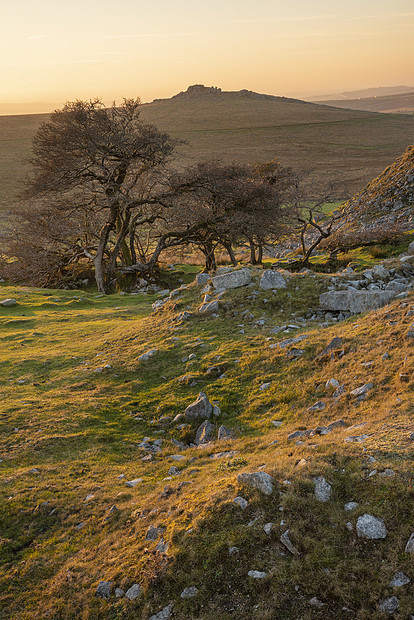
x=134 y=592
x=355 y=301
x=224 y=433
x=272 y=280
x=104 y=589
x=233 y=279
x=200 y=409
x=258 y=480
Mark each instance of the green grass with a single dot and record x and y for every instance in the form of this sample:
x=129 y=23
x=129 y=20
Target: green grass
x=80 y=430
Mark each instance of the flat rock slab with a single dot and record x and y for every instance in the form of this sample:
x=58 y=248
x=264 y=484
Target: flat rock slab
x=233 y=279
x=355 y=301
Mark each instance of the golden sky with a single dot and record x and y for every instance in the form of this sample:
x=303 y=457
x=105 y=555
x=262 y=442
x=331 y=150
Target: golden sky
x=53 y=51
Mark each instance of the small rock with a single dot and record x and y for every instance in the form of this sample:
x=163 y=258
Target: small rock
x=234 y=550
x=285 y=540
x=189 y=592
x=265 y=386
x=224 y=433
x=112 y=513
x=409 y=547
x=133 y=483
x=7 y=303
x=317 y=406
x=315 y=602
x=256 y=574
x=146 y=356
x=399 y=579
x=240 y=502
x=323 y=489
x=351 y=506
x=371 y=527
x=362 y=390
x=164 y=614
x=268 y=527
x=389 y=605
x=119 y=592
x=133 y=592
x=154 y=532
x=104 y=589
x=204 y=433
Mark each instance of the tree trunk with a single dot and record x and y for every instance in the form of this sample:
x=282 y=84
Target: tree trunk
x=253 y=260
x=259 y=254
x=231 y=254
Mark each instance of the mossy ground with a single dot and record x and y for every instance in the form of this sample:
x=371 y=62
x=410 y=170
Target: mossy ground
x=69 y=431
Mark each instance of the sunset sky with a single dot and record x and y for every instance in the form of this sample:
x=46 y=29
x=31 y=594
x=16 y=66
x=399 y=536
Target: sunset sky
x=52 y=51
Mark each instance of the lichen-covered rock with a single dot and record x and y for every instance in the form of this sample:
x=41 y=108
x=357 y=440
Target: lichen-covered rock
x=258 y=480
x=272 y=280
x=355 y=301
x=233 y=279
x=323 y=489
x=370 y=527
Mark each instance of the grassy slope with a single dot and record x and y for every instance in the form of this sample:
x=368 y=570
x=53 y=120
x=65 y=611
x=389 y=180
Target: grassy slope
x=78 y=428
x=353 y=144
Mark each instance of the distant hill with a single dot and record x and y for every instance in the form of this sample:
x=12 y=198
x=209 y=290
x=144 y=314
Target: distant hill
x=381 y=91
x=398 y=103
x=248 y=127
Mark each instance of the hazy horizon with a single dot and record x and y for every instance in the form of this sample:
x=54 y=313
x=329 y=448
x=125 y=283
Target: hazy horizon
x=52 y=53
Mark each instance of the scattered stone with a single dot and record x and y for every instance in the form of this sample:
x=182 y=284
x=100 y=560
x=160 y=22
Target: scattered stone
x=145 y=356
x=265 y=386
x=164 y=614
x=268 y=527
x=272 y=280
x=210 y=307
x=173 y=471
x=370 y=527
x=184 y=316
x=409 y=547
x=204 y=433
x=351 y=506
x=153 y=533
x=202 y=278
x=7 y=303
x=323 y=489
x=133 y=592
x=216 y=410
x=315 y=602
x=258 y=480
x=199 y=409
x=112 y=513
x=222 y=455
x=389 y=605
x=285 y=540
x=240 y=502
x=162 y=546
x=317 y=406
x=234 y=550
x=399 y=579
x=224 y=433
x=363 y=389
x=256 y=574
x=133 y=483
x=189 y=592
x=289 y=341
x=119 y=592
x=104 y=589
x=333 y=347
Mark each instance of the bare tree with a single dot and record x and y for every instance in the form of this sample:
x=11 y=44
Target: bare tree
x=91 y=159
